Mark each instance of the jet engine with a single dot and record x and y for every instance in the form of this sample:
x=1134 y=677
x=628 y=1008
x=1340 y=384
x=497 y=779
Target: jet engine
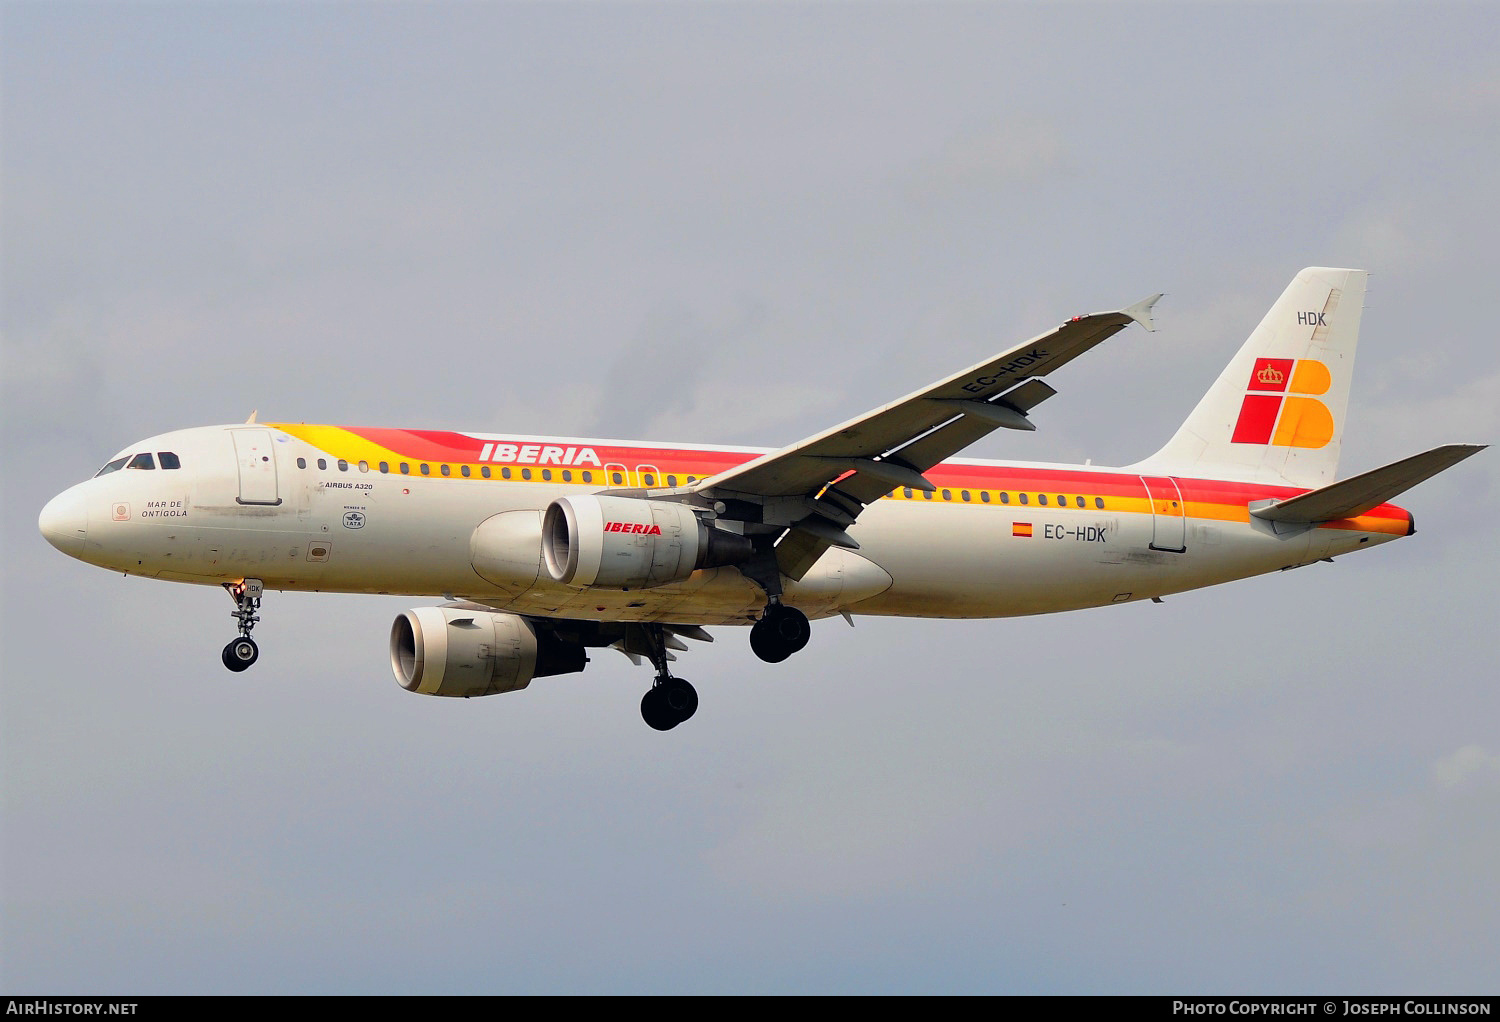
x=452 y=651
x=626 y=543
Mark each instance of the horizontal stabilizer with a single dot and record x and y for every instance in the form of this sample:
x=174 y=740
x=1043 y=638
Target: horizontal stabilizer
x=1359 y=494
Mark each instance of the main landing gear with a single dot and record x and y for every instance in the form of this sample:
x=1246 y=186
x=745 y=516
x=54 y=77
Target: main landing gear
x=780 y=632
x=243 y=652
x=669 y=701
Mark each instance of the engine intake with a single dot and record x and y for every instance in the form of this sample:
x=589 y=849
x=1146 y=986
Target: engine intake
x=626 y=543
x=450 y=651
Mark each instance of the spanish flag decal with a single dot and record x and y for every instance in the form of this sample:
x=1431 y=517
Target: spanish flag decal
x=1021 y=529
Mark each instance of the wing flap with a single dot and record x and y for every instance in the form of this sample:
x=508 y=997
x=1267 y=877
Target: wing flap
x=1358 y=494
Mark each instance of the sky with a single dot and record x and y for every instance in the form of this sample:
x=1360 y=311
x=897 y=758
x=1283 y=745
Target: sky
x=741 y=224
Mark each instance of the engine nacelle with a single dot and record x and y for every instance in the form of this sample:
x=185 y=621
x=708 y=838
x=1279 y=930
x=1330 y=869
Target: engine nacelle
x=626 y=543
x=448 y=651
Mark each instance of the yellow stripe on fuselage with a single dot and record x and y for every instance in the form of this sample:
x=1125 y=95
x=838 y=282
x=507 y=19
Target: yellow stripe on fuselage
x=340 y=443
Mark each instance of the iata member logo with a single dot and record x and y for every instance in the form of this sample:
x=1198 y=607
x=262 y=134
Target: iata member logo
x=354 y=519
x=1267 y=417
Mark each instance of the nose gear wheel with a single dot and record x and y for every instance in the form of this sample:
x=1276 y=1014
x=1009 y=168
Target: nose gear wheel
x=240 y=653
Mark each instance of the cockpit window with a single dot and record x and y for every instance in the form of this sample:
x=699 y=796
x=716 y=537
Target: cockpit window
x=142 y=460
x=168 y=459
x=113 y=466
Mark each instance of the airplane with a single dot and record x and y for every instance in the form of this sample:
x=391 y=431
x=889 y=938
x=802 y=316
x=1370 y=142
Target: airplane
x=545 y=547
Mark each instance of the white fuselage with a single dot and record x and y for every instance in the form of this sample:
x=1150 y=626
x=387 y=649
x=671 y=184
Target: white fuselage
x=251 y=502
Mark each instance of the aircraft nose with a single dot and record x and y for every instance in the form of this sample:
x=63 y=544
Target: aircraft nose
x=64 y=521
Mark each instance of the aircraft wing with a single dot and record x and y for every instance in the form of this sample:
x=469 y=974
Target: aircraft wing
x=819 y=485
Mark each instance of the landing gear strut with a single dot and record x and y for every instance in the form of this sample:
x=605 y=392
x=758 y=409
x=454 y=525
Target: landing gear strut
x=242 y=652
x=780 y=632
x=669 y=701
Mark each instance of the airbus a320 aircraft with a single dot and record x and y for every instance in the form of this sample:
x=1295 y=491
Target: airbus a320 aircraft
x=545 y=547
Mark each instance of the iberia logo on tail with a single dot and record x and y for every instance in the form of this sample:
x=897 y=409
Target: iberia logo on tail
x=1269 y=416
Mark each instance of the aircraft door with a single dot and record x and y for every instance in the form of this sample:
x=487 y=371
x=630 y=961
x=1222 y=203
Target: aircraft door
x=1168 y=516
x=616 y=475
x=257 y=466
x=648 y=476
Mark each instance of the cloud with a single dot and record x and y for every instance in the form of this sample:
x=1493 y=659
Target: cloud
x=1468 y=767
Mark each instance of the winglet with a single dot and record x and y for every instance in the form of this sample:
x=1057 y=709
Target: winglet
x=252 y=417
x=1141 y=311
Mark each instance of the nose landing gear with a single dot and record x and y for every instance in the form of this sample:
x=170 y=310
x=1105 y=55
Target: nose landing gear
x=240 y=653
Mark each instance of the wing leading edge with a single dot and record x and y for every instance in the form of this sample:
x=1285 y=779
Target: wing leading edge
x=817 y=487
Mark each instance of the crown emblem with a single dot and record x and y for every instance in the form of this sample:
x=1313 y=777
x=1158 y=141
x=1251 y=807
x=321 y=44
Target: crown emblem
x=1270 y=374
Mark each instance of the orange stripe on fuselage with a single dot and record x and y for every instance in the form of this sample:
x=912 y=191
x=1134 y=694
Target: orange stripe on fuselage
x=1204 y=499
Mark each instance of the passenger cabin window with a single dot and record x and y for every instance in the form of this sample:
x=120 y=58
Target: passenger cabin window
x=567 y=475
x=1079 y=500
x=525 y=473
x=965 y=495
x=618 y=478
x=1041 y=498
x=484 y=470
x=547 y=474
x=1004 y=497
x=323 y=464
x=113 y=466
x=405 y=468
x=505 y=473
x=364 y=466
x=947 y=494
x=650 y=479
x=1021 y=497
x=142 y=460
x=168 y=459
x=444 y=469
x=588 y=477
x=301 y=463
x=671 y=480
x=1099 y=503
x=425 y=469
x=343 y=465
x=984 y=495
x=385 y=466
x=464 y=471
x=906 y=492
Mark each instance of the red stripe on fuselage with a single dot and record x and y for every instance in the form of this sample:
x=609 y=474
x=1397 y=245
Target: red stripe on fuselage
x=441 y=446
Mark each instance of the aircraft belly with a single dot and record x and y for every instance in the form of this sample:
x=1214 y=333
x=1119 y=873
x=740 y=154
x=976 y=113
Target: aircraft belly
x=968 y=562
x=987 y=561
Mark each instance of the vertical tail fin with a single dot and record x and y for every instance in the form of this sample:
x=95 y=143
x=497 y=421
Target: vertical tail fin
x=1276 y=413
